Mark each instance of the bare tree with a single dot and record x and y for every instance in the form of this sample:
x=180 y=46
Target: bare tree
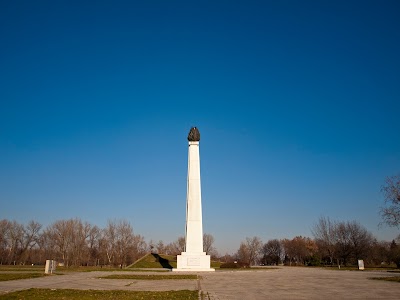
x=379 y=253
x=125 y=238
x=324 y=232
x=272 y=252
x=361 y=240
x=93 y=244
x=109 y=241
x=353 y=241
x=344 y=242
x=29 y=239
x=119 y=237
x=299 y=250
x=16 y=240
x=138 y=248
x=391 y=191
x=208 y=241
x=60 y=239
x=121 y=244
x=181 y=244
x=160 y=247
x=254 y=245
x=250 y=250
x=46 y=247
x=394 y=253
x=80 y=235
x=5 y=241
x=243 y=254
x=69 y=240
x=176 y=247
x=15 y=237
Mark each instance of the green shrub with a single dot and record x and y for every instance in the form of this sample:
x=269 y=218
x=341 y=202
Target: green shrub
x=314 y=261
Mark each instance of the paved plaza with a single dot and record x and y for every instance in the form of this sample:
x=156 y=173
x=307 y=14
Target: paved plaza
x=281 y=283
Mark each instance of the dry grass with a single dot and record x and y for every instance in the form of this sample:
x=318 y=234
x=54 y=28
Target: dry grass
x=61 y=294
x=16 y=276
x=391 y=278
x=149 y=277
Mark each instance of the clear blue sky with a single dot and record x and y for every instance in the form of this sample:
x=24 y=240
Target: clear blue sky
x=297 y=103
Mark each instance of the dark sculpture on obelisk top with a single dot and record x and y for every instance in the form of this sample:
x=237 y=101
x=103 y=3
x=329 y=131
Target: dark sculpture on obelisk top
x=194 y=135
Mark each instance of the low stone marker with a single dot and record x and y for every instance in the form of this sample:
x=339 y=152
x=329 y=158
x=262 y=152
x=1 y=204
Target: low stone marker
x=50 y=266
x=361 y=264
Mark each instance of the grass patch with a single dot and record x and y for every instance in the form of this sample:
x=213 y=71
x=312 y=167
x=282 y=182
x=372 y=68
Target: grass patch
x=44 y=294
x=22 y=268
x=62 y=269
x=16 y=276
x=153 y=260
x=149 y=277
x=215 y=264
x=263 y=268
x=88 y=269
x=248 y=269
x=149 y=270
x=391 y=278
x=355 y=268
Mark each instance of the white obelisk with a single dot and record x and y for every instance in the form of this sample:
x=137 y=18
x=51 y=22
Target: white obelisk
x=193 y=259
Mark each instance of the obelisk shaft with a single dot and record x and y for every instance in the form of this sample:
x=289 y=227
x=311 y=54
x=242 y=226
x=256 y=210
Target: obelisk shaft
x=193 y=258
x=194 y=224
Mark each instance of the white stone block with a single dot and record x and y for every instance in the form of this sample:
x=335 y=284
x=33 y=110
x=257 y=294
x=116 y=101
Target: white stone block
x=193 y=262
x=50 y=266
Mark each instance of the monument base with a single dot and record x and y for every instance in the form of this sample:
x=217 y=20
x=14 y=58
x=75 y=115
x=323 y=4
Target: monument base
x=194 y=262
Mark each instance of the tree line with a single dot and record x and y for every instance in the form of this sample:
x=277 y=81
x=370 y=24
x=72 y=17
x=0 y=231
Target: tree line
x=334 y=243
x=77 y=243
x=71 y=242
x=74 y=242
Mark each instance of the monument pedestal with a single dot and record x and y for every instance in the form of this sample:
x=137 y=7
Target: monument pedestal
x=197 y=262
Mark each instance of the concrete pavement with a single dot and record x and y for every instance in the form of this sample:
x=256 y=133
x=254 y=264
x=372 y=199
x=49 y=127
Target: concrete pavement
x=299 y=283
x=282 y=283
